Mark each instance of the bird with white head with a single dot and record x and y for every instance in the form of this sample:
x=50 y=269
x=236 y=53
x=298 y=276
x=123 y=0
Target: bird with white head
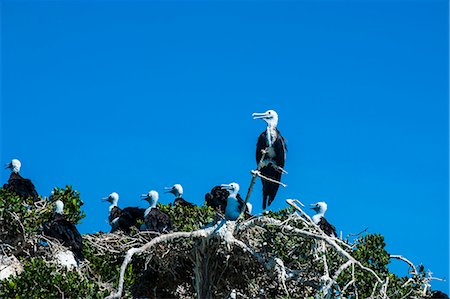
x=319 y=218
x=177 y=190
x=270 y=155
x=17 y=184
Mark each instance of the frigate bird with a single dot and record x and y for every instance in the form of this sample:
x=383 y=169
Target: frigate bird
x=177 y=190
x=60 y=228
x=274 y=146
x=217 y=199
x=319 y=219
x=154 y=218
x=122 y=219
x=234 y=205
x=16 y=183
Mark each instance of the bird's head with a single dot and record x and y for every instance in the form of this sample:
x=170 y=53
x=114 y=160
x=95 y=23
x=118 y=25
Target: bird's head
x=14 y=165
x=176 y=190
x=59 y=207
x=112 y=198
x=270 y=117
x=320 y=207
x=233 y=188
x=152 y=197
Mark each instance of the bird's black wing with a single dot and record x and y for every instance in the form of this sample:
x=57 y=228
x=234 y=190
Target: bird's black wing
x=135 y=212
x=327 y=228
x=129 y=218
x=22 y=186
x=270 y=189
x=182 y=202
x=66 y=232
x=114 y=213
x=261 y=145
x=217 y=198
x=158 y=221
x=280 y=149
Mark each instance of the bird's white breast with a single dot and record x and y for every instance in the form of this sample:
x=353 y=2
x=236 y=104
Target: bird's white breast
x=316 y=218
x=232 y=210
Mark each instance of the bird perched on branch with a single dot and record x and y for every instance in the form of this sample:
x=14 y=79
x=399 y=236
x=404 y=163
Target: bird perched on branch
x=16 y=183
x=270 y=155
x=319 y=219
x=122 y=219
x=60 y=228
x=154 y=218
x=177 y=190
x=217 y=199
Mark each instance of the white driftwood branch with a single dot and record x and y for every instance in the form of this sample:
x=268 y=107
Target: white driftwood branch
x=292 y=203
x=163 y=238
x=321 y=236
x=399 y=257
x=258 y=173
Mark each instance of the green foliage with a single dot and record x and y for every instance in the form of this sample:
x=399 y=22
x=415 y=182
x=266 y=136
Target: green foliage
x=43 y=280
x=187 y=219
x=20 y=217
x=281 y=215
x=371 y=253
x=21 y=221
x=72 y=203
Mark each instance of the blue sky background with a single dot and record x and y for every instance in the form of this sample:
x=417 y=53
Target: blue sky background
x=131 y=96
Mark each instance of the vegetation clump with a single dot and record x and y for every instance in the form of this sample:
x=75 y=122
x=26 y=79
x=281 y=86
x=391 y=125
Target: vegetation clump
x=276 y=255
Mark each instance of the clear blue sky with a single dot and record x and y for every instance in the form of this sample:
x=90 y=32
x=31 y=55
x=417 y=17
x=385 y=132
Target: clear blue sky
x=131 y=96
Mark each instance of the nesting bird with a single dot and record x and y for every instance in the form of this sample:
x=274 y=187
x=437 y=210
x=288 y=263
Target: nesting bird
x=177 y=190
x=60 y=228
x=217 y=199
x=122 y=219
x=16 y=183
x=234 y=205
x=155 y=219
x=273 y=144
x=319 y=219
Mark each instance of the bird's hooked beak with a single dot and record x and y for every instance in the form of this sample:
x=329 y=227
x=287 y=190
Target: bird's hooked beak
x=168 y=189
x=314 y=207
x=260 y=115
x=105 y=198
x=8 y=165
x=144 y=196
x=225 y=186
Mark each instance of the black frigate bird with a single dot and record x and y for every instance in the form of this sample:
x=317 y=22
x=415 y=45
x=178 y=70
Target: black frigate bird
x=16 y=183
x=217 y=199
x=275 y=149
x=155 y=219
x=319 y=219
x=177 y=190
x=60 y=228
x=122 y=219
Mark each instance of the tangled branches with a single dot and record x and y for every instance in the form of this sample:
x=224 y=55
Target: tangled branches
x=272 y=256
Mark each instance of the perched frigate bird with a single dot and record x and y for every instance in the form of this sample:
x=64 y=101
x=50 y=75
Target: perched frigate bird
x=319 y=219
x=122 y=219
x=272 y=165
x=217 y=199
x=154 y=218
x=16 y=183
x=177 y=190
x=60 y=228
